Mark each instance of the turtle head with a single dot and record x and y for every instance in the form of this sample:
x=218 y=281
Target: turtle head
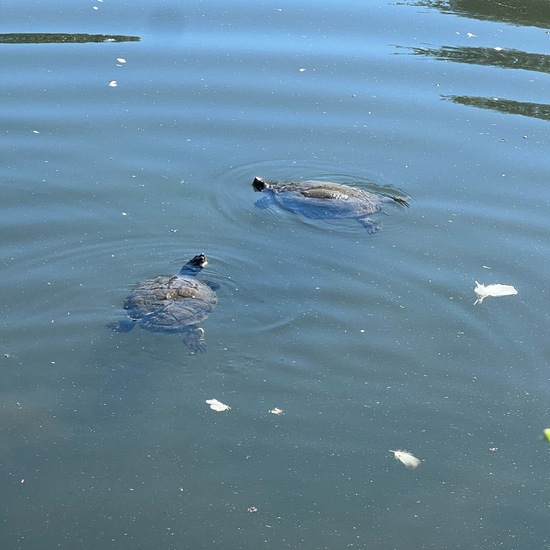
x=259 y=184
x=194 y=265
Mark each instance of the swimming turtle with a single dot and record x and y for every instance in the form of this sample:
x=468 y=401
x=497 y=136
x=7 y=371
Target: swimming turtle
x=323 y=199
x=172 y=303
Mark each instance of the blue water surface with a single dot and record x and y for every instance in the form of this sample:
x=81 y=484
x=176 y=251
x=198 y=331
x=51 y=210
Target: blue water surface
x=125 y=154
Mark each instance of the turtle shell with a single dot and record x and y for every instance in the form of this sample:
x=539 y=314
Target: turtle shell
x=315 y=199
x=326 y=200
x=170 y=303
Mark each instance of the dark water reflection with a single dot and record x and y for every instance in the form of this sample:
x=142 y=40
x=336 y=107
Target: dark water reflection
x=493 y=57
x=518 y=13
x=505 y=106
x=499 y=58
x=514 y=12
x=51 y=38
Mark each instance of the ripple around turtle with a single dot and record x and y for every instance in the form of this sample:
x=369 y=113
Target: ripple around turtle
x=256 y=256
x=236 y=198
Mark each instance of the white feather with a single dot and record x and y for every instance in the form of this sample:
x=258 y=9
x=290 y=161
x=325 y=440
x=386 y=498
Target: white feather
x=218 y=406
x=496 y=290
x=406 y=458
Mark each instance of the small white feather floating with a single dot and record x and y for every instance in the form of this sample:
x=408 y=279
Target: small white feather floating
x=409 y=460
x=218 y=406
x=497 y=290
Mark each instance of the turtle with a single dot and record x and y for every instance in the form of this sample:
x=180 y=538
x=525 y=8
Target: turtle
x=172 y=304
x=325 y=200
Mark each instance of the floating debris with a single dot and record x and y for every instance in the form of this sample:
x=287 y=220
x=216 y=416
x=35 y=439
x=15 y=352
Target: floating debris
x=121 y=60
x=276 y=410
x=252 y=509
x=113 y=84
x=546 y=433
x=218 y=406
x=406 y=458
x=496 y=290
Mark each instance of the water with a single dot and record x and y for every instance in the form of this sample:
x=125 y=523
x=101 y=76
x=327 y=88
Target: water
x=367 y=342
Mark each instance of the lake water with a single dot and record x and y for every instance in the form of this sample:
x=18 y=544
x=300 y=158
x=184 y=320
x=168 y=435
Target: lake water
x=121 y=159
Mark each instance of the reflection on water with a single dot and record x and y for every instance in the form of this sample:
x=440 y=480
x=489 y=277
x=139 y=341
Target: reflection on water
x=533 y=13
x=492 y=57
x=505 y=106
x=499 y=58
x=61 y=38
